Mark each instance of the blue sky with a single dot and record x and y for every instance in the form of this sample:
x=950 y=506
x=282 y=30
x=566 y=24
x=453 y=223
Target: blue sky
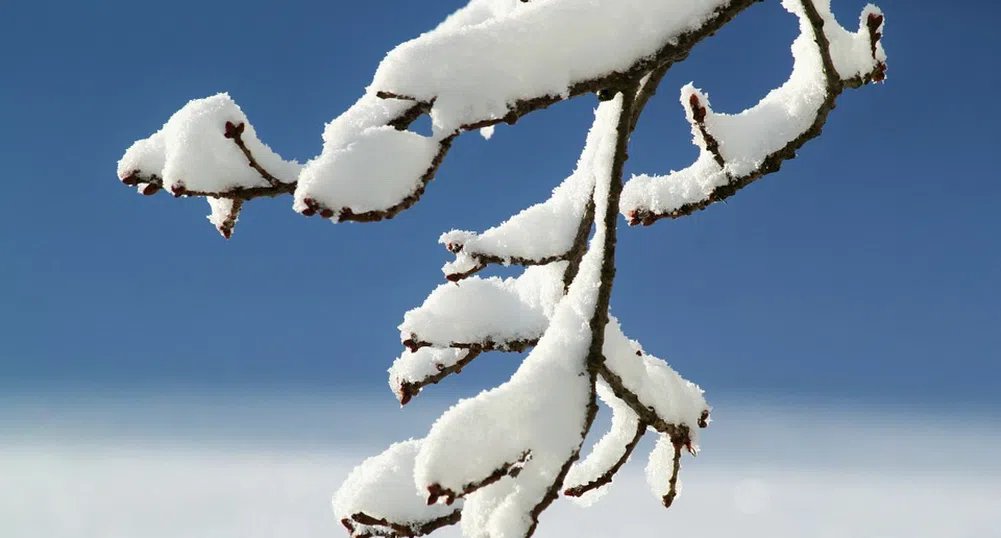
x=865 y=271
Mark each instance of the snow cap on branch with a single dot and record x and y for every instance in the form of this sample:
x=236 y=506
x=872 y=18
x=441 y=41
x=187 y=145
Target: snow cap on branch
x=737 y=149
x=379 y=493
x=486 y=63
x=489 y=313
x=195 y=151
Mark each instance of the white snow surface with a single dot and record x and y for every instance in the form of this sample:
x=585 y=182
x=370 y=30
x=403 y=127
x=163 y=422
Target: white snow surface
x=480 y=310
x=541 y=409
x=747 y=138
x=192 y=151
x=382 y=487
x=484 y=58
x=607 y=451
x=379 y=168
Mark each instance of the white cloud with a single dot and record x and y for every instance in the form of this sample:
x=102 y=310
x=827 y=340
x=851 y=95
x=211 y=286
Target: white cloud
x=175 y=468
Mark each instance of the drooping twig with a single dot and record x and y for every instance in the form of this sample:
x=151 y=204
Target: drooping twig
x=672 y=484
x=606 y=477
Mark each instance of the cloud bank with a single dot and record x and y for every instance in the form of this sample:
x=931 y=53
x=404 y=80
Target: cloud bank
x=253 y=466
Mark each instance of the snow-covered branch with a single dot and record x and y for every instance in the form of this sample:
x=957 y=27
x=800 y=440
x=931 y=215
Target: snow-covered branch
x=378 y=498
x=738 y=149
x=493 y=463
x=479 y=56
x=610 y=453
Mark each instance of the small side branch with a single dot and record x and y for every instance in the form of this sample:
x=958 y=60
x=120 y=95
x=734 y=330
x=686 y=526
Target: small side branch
x=437 y=492
x=834 y=85
x=235 y=133
x=672 y=484
x=517 y=346
x=396 y=529
x=410 y=388
x=647 y=414
x=606 y=477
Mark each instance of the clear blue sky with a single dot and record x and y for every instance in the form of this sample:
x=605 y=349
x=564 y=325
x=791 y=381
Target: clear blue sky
x=866 y=270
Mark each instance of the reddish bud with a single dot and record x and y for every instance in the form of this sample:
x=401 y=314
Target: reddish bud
x=233 y=131
x=327 y=213
x=131 y=179
x=310 y=207
x=698 y=111
x=150 y=189
x=177 y=190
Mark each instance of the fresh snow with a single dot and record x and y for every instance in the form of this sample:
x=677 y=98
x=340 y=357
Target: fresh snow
x=487 y=310
x=487 y=61
x=192 y=151
x=382 y=487
x=608 y=450
x=747 y=138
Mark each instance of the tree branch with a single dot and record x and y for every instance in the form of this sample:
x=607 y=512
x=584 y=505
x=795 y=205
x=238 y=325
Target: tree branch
x=835 y=85
x=674 y=51
x=512 y=469
x=606 y=477
x=672 y=489
x=401 y=530
x=414 y=343
x=410 y=388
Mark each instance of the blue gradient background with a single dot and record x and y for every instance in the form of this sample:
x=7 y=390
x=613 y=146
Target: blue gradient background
x=858 y=286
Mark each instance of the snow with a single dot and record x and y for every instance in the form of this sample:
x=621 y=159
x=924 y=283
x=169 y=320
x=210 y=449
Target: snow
x=674 y=399
x=375 y=171
x=660 y=468
x=607 y=451
x=382 y=487
x=748 y=138
x=484 y=60
x=487 y=310
x=541 y=410
x=540 y=233
x=220 y=210
x=416 y=366
x=191 y=151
